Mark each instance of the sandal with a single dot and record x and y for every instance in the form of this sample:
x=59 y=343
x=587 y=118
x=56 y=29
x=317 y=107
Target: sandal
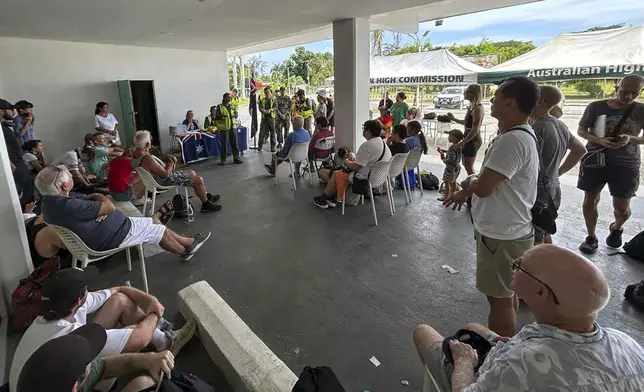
x=166 y=211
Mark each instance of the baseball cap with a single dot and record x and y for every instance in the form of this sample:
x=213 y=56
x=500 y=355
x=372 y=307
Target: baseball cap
x=457 y=133
x=5 y=105
x=58 y=364
x=62 y=290
x=22 y=104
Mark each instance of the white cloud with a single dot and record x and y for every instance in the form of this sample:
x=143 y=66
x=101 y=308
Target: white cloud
x=599 y=11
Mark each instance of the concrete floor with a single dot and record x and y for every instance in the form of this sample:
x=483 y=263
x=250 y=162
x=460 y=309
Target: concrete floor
x=322 y=289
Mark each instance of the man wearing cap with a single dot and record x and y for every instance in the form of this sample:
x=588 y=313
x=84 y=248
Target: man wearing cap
x=68 y=364
x=66 y=305
x=304 y=107
x=23 y=124
x=283 y=125
x=21 y=174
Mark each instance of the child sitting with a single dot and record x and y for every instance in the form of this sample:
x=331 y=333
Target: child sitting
x=452 y=159
x=416 y=138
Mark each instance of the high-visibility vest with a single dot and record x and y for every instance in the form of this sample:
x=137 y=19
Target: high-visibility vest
x=305 y=110
x=263 y=106
x=234 y=105
x=224 y=120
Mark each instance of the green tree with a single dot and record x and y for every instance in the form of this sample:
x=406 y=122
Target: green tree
x=601 y=28
x=255 y=64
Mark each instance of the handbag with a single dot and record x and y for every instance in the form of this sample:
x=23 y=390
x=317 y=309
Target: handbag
x=25 y=300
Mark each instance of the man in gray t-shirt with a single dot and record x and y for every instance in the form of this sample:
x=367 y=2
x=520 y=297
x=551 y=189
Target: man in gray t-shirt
x=554 y=140
x=613 y=159
x=564 y=350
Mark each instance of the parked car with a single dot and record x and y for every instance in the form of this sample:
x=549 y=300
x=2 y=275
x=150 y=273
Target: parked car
x=451 y=98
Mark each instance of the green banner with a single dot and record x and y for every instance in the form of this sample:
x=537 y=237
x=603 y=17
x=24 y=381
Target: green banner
x=566 y=73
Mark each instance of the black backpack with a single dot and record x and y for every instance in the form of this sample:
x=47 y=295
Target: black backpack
x=318 y=379
x=633 y=248
x=634 y=294
x=182 y=382
x=182 y=208
x=429 y=181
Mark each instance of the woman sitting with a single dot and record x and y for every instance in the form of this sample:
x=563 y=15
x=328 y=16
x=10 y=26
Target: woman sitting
x=322 y=125
x=397 y=143
x=34 y=157
x=191 y=123
x=416 y=138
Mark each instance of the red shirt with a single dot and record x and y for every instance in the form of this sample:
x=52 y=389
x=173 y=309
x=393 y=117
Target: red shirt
x=321 y=134
x=118 y=176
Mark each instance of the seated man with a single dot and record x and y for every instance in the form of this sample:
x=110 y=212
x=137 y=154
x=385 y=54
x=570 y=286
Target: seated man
x=34 y=156
x=564 y=350
x=69 y=364
x=66 y=305
x=99 y=224
x=166 y=173
x=369 y=153
x=100 y=155
x=323 y=132
x=299 y=135
x=73 y=161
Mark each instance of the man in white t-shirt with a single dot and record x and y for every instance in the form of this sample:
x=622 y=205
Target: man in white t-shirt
x=503 y=194
x=373 y=150
x=72 y=160
x=66 y=305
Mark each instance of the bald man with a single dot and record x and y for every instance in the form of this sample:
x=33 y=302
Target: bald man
x=565 y=349
x=554 y=141
x=613 y=158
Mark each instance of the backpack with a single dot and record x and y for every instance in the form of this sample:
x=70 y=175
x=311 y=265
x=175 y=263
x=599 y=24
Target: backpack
x=429 y=181
x=25 y=299
x=182 y=382
x=634 y=294
x=318 y=379
x=182 y=208
x=633 y=248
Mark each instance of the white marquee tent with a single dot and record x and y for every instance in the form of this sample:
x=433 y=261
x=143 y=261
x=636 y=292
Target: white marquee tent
x=434 y=67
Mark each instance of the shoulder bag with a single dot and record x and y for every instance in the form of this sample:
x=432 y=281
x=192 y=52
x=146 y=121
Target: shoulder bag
x=596 y=159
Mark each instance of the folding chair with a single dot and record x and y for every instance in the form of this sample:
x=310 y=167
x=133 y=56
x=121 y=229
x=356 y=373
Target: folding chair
x=397 y=167
x=85 y=255
x=413 y=162
x=378 y=175
x=298 y=153
x=152 y=186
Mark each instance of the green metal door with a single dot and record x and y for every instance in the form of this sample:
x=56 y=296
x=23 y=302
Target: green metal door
x=127 y=109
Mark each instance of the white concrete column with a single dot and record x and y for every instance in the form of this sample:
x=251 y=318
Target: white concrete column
x=15 y=260
x=351 y=50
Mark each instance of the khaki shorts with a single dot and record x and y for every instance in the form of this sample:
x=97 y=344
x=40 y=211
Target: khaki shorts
x=494 y=263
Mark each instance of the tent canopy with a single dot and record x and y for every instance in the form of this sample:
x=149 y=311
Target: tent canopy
x=592 y=55
x=434 y=67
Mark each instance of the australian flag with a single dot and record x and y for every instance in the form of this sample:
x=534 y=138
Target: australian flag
x=197 y=145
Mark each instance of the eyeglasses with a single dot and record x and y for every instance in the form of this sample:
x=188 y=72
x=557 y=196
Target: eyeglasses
x=60 y=170
x=516 y=265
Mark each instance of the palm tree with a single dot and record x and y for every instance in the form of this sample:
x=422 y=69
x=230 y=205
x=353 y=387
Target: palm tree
x=376 y=42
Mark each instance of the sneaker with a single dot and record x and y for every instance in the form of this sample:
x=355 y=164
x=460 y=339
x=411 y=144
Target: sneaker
x=237 y=161
x=180 y=337
x=209 y=206
x=589 y=246
x=320 y=203
x=199 y=240
x=164 y=325
x=212 y=198
x=331 y=203
x=614 y=239
x=140 y=201
x=269 y=169
x=441 y=198
x=222 y=163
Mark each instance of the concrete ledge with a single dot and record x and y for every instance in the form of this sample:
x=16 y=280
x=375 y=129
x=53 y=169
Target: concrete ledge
x=249 y=365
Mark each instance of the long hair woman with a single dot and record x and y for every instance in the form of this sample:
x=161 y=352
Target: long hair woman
x=106 y=123
x=472 y=123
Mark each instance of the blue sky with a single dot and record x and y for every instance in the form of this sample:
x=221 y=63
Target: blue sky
x=537 y=22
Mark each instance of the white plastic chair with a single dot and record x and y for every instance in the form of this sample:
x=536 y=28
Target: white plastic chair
x=397 y=167
x=325 y=144
x=152 y=186
x=298 y=153
x=413 y=162
x=378 y=175
x=85 y=255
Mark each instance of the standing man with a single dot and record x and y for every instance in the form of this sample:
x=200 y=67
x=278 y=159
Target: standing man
x=21 y=174
x=225 y=123
x=23 y=124
x=268 y=108
x=613 y=158
x=284 y=104
x=330 y=112
x=234 y=104
x=386 y=102
x=554 y=141
x=304 y=107
x=503 y=194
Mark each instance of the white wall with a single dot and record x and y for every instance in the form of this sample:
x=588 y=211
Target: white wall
x=65 y=80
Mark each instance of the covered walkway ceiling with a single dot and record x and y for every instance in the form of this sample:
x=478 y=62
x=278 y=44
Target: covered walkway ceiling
x=245 y=26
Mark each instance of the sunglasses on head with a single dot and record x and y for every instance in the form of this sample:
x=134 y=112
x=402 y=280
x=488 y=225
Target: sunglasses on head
x=516 y=265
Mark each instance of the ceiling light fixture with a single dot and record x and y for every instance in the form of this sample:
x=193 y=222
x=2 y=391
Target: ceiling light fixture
x=167 y=33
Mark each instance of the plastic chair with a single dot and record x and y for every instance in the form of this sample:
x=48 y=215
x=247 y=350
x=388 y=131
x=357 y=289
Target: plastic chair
x=325 y=144
x=298 y=153
x=413 y=162
x=85 y=255
x=152 y=186
x=378 y=175
x=397 y=167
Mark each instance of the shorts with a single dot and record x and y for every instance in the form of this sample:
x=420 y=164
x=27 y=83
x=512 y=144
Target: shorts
x=449 y=172
x=332 y=121
x=494 y=259
x=471 y=148
x=177 y=178
x=440 y=369
x=555 y=193
x=122 y=196
x=143 y=231
x=116 y=341
x=622 y=182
